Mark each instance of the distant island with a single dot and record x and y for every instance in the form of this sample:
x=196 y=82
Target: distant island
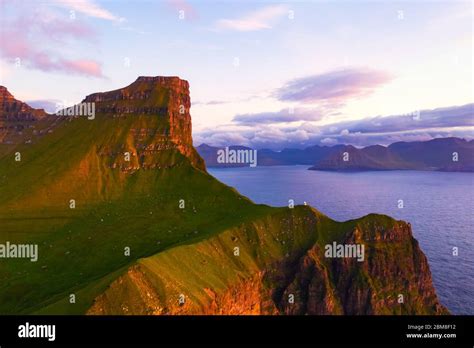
x=440 y=154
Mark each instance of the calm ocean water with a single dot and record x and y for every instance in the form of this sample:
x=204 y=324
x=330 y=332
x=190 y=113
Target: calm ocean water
x=440 y=207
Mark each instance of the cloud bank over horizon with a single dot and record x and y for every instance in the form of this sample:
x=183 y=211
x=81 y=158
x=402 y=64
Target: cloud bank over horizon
x=420 y=125
x=311 y=118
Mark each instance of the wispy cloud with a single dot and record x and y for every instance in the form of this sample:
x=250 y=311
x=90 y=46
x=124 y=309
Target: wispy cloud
x=211 y=102
x=334 y=86
x=89 y=8
x=263 y=18
x=327 y=93
x=33 y=38
x=282 y=116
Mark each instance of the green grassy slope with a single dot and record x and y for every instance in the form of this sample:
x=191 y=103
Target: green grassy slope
x=114 y=209
x=280 y=254
x=135 y=205
x=201 y=263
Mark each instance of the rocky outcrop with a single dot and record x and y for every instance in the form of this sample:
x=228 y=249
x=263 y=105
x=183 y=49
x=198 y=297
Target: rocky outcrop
x=17 y=119
x=394 y=277
x=144 y=127
x=164 y=98
x=12 y=109
x=159 y=106
x=245 y=297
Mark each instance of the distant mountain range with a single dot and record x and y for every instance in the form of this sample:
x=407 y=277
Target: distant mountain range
x=441 y=154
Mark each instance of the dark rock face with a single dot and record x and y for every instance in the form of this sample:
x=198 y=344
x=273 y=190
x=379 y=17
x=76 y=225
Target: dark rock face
x=395 y=267
x=394 y=278
x=310 y=284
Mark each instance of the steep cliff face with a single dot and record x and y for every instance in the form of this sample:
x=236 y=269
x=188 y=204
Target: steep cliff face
x=283 y=273
x=167 y=100
x=18 y=121
x=144 y=127
x=394 y=277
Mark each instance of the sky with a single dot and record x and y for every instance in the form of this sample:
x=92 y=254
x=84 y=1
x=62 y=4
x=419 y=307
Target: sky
x=263 y=74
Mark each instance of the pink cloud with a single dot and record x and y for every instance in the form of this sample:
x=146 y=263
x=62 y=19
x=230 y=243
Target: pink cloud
x=16 y=45
x=58 y=29
x=86 y=67
x=89 y=8
x=44 y=62
x=257 y=20
x=334 y=86
x=32 y=38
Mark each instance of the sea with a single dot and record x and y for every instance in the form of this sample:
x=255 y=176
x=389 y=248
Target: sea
x=439 y=206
